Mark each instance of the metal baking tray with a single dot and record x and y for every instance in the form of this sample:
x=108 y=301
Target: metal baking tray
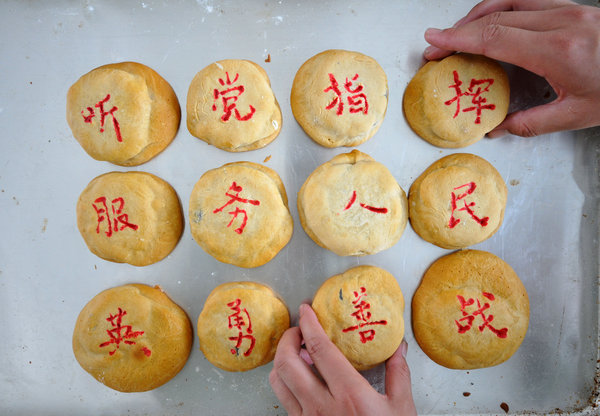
x=549 y=235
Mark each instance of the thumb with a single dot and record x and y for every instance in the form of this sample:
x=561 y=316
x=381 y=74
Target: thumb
x=555 y=116
x=397 y=380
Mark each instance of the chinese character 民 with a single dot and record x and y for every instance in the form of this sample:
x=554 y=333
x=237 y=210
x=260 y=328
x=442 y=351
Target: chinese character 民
x=476 y=88
x=469 y=318
x=103 y=114
x=121 y=333
x=236 y=320
x=365 y=206
x=468 y=207
x=118 y=216
x=357 y=100
x=362 y=315
x=229 y=96
x=236 y=198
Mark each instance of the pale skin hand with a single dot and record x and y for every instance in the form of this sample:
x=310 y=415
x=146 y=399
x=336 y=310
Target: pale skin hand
x=555 y=39
x=341 y=390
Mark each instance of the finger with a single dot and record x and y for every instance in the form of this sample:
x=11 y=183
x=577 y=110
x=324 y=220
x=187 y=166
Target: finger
x=294 y=372
x=284 y=394
x=397 y=376
x=489 y=8
x=496 y=42
x=548 y=118
x=335 y=369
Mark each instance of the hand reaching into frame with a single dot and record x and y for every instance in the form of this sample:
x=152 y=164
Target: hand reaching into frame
x=341 y=390
x=556 y=39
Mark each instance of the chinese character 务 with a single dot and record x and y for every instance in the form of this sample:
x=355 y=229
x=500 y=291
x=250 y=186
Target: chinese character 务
x=121 y=333
x=118 y=216
x=229 y=96
x=468 y=207
x=236 y=198
x=476 y=88
x=357 y=100
x=362 y=315
x=236 y=320
x=365 y=206
x=469 y=318
x=103 y=114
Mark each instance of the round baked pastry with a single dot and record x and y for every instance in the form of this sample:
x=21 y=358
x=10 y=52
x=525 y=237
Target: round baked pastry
x=361 y=311
x=239 y=214
x=457 y=202
x=340 y=97
x=230 y=105
x=130 y=217
x=456 y=101
x=124 y=113
x=132 y=338
x=353 y=206
x=241 y=324
x=470 y=310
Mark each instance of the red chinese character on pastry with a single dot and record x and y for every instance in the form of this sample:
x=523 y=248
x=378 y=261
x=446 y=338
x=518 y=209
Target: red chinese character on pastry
x=467 y=206
x=103 y=114
x=229 y=96
x=116 y=222
x=121 y=333
x=357 y=99
x=236 y=320
x=236 y=198
x=469 y=318
x=476 y=88
x=363 y=316
x=382 y=210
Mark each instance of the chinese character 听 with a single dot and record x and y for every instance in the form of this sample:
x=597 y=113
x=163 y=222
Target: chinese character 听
x=103 y=114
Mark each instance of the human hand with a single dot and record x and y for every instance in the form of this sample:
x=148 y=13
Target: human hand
x=555 y=39
x=342 y=390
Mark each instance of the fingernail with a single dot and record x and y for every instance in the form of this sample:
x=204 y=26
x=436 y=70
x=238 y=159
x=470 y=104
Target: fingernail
x=432 y=32
x=404 y=348
x=303 y=308
x=495 y=134
x=429 y=50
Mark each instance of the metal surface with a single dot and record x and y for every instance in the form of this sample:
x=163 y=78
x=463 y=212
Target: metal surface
x=549 y=235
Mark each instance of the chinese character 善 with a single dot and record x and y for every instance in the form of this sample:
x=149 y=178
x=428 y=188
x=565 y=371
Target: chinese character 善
x=363 y=316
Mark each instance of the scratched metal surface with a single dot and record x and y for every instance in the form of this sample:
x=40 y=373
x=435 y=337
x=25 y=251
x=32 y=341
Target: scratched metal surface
x=549 y=235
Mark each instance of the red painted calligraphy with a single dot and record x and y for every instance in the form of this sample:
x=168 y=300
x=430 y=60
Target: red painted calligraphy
x=229 y=96
x=357 y=99
x=121 y=333
x=476 y=88
x=363 y=316
x=236 y=320
x=116 y=219
x=480 y=310
x=377 y=210
x=103 y=114
x=468 y=207
x=236 y=198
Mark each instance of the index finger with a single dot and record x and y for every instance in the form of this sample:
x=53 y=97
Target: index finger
x=335 y=369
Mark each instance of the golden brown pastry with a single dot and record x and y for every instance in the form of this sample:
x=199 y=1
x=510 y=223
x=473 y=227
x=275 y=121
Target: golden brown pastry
x=239 y=214
x=470 y=310
x=456 y=101
x=230 y=105
x=361 y=311
x=132 y=338
x=340 y=97
x=130 y=217
x=353 y=206
x=458 y=201
x=124 y=113
x=241 y=324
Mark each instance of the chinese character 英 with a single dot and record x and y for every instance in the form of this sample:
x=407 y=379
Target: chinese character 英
x=362 y=315
x=117 y=335
x=236 y=198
